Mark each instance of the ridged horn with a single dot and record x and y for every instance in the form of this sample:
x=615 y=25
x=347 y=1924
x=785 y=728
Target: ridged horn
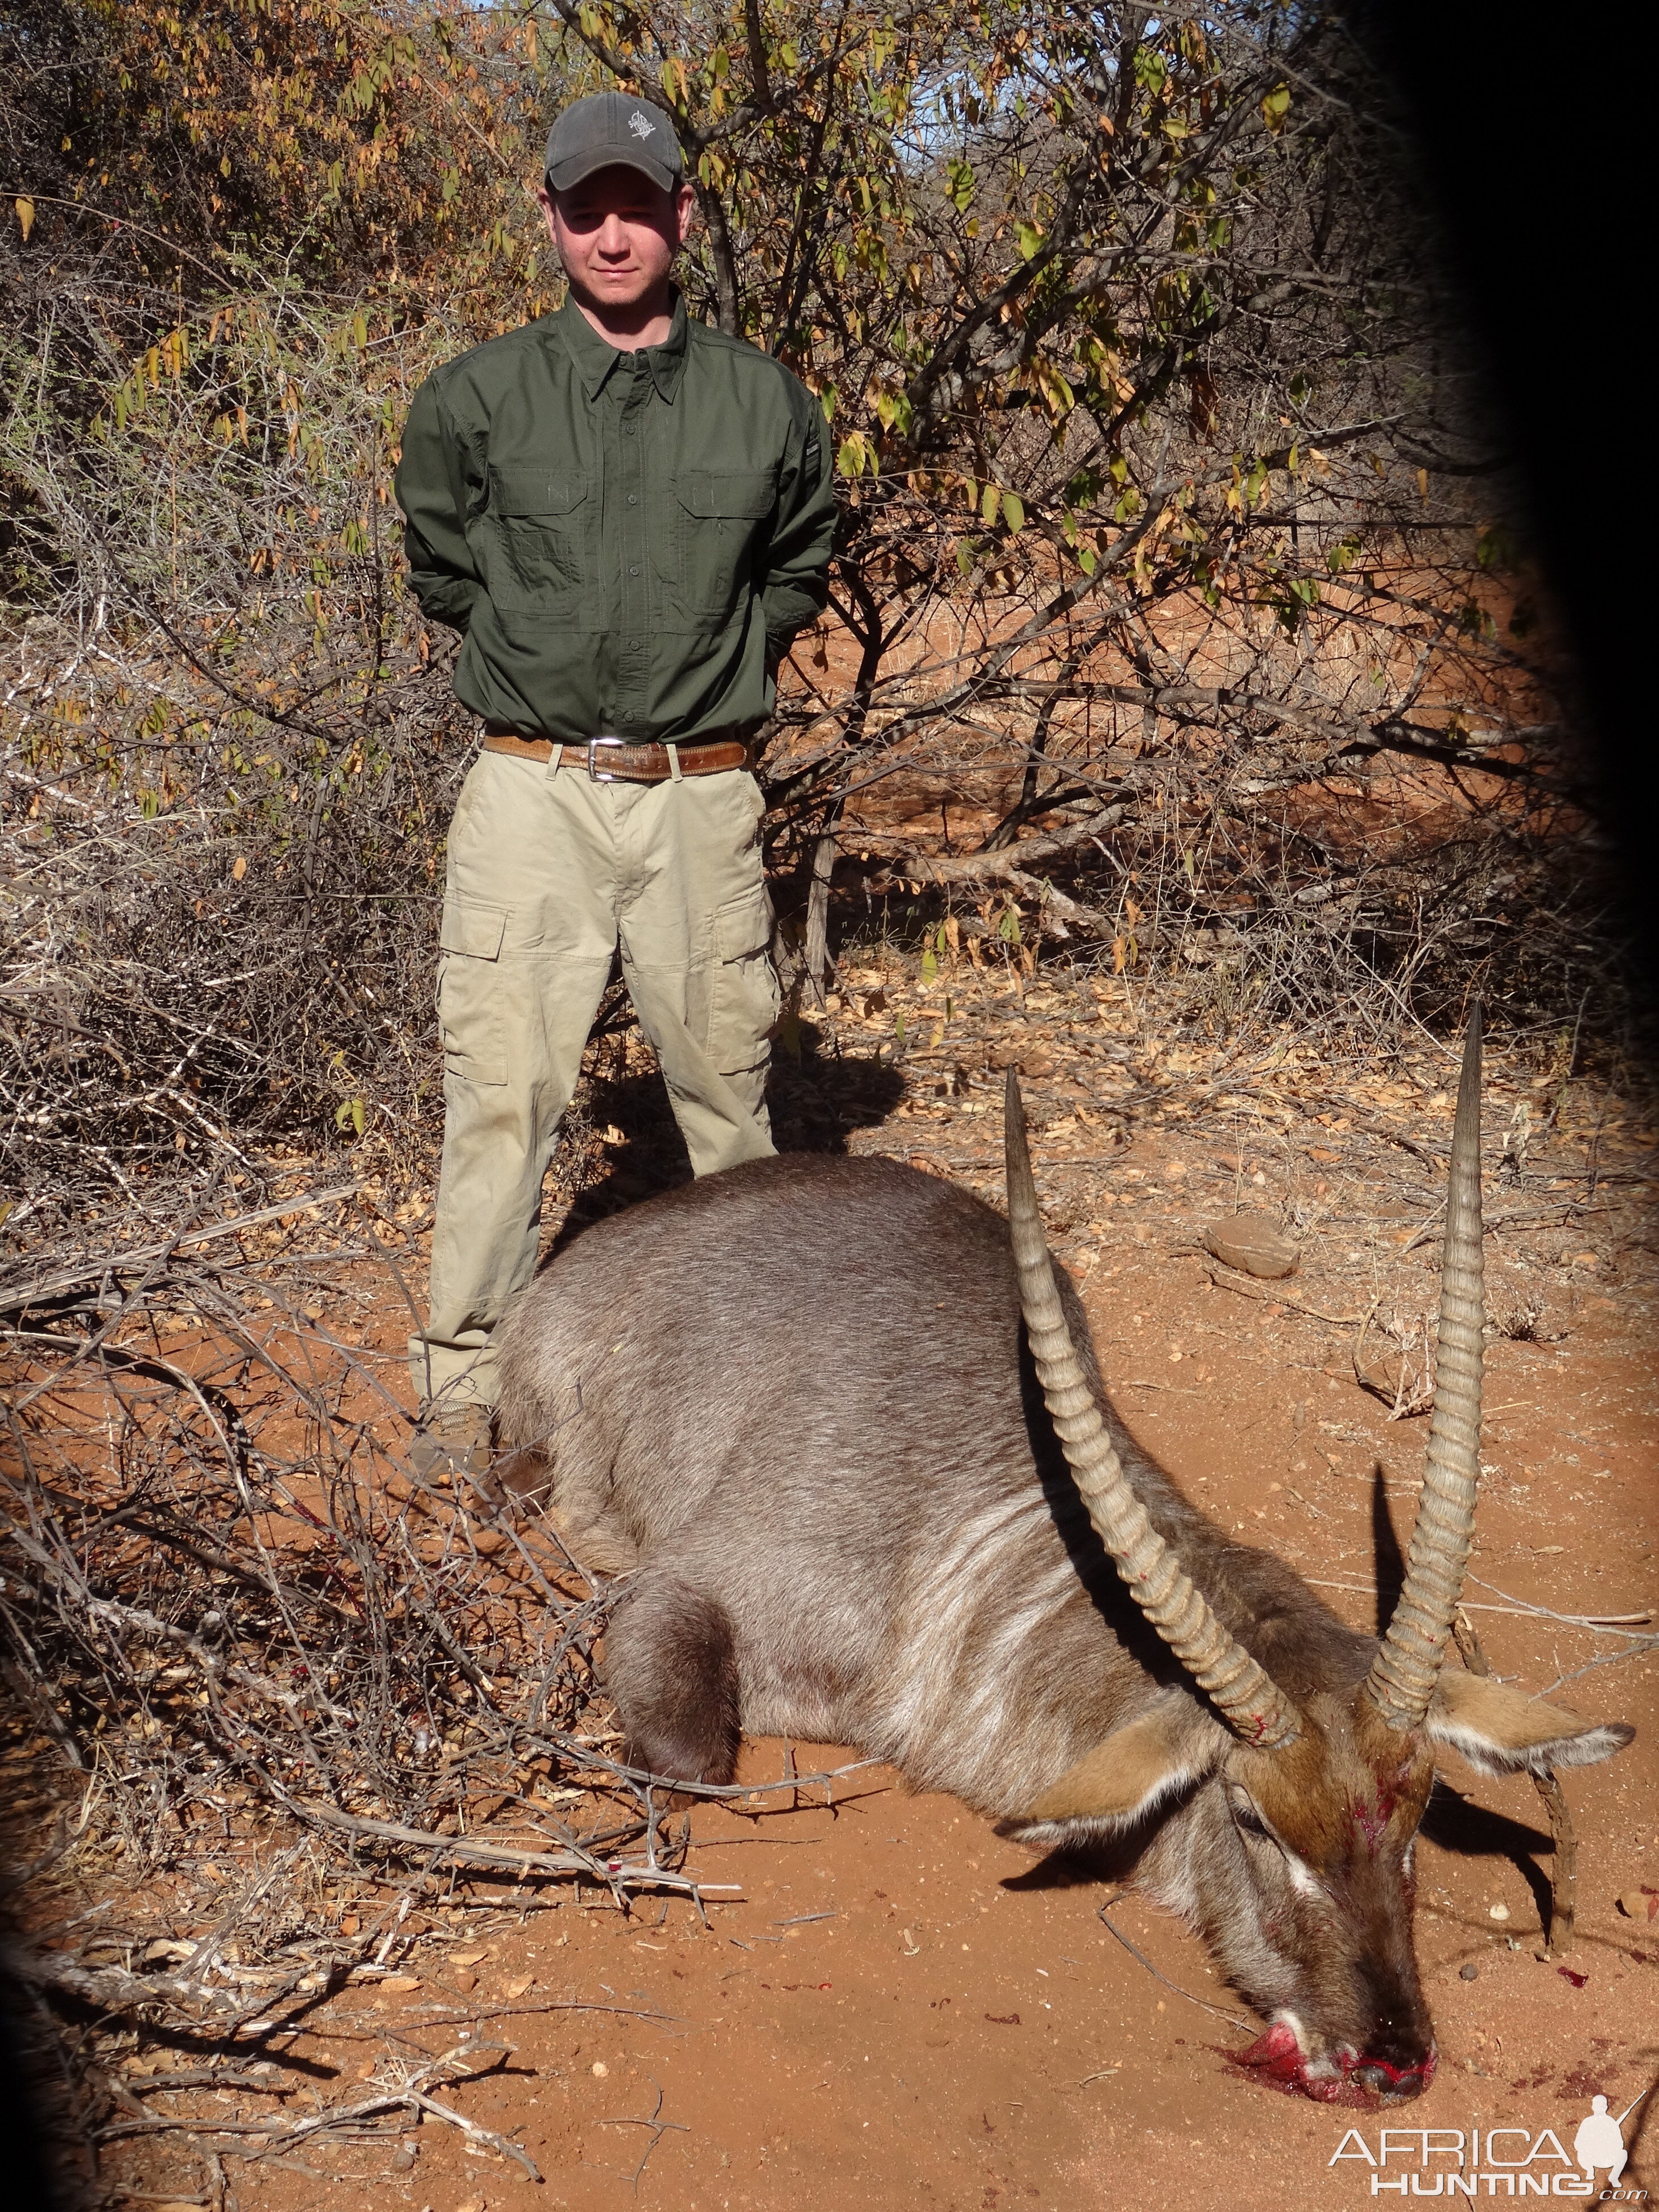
x=1256 y=1708
x=1405 y=1671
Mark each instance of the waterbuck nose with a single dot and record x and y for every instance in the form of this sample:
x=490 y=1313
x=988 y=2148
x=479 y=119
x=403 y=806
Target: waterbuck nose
x=1392 y=2083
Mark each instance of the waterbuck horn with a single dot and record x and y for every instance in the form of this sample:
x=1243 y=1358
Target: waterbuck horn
x=1256 y=1710
x=1404 y=1673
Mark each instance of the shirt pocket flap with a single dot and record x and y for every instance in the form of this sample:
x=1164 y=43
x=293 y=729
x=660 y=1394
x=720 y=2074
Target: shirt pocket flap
x=472 y=928
x=536 y=491
x=744 y=925
x=747 y=493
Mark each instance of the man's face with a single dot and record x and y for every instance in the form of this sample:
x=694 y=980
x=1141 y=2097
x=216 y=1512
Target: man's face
x=617 y=234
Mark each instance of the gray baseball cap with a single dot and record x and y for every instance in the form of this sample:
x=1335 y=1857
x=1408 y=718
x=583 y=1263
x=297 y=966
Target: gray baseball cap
x=609 y=130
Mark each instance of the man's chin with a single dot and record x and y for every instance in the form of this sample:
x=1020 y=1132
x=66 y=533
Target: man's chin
x=613 y=299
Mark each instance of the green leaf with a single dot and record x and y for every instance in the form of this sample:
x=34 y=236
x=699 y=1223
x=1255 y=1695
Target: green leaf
x=1013 y=510
x=929 y=965
x=894 y=411
x=990 y=502
x=1496 y=549
x=1276 y=107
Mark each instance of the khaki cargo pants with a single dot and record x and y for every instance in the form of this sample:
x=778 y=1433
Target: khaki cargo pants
x=549 y=872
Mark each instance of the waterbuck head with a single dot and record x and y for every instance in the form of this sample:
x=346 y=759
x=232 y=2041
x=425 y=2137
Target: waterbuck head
x=1303 y=1772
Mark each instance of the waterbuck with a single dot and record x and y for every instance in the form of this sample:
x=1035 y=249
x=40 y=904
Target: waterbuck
x=841 y=1426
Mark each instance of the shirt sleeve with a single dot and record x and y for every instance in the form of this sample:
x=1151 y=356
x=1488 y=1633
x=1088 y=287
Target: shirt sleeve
x=431 y=489
x=797 y=587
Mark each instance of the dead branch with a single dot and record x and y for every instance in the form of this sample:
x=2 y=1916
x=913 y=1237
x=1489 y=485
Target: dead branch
x=464 y=1850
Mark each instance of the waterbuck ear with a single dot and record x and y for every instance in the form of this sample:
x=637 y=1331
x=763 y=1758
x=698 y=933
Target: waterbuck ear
x=1119 y=1781
x=1503 y=1730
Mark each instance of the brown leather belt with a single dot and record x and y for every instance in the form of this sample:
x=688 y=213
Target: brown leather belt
x=614 y=760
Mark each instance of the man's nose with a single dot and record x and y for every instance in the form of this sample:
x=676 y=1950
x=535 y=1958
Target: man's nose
x=613 y=235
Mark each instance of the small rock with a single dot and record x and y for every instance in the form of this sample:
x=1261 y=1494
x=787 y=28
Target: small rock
x=464 y=1983
x=1254 y=1243
x=1639 y=1904
x=1498 y=1912
x=1469 y=1973
x=598 y=2068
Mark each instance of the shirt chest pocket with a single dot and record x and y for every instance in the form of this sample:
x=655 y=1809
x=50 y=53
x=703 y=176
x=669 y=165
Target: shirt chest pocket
x=539 y=520
x=716 y=518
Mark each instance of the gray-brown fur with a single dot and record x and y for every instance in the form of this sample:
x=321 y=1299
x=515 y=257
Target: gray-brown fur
x=792 y=1404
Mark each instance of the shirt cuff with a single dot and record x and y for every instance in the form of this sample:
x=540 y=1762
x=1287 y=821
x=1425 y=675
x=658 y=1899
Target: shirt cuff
x=787 y=611
x=447 y=600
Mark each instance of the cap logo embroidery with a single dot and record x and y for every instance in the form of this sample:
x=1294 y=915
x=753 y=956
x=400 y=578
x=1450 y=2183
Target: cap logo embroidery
x=641 y=125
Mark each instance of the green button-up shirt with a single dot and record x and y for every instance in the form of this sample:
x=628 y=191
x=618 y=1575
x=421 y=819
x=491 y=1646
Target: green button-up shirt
x=628 y=540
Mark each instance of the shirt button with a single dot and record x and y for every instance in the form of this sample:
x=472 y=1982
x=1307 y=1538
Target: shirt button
x=633 y=644
x=628 y=429
x=628 y=717
x=633 y=499
x=633 y=572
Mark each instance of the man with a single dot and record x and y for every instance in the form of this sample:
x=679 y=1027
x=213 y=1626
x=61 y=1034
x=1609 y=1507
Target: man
x=629 y=516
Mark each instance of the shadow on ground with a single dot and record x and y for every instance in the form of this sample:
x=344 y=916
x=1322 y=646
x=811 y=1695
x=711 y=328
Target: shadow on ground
x=818 y=1094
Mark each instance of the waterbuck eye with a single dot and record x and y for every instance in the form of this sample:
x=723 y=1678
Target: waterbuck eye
x=1251 y=1822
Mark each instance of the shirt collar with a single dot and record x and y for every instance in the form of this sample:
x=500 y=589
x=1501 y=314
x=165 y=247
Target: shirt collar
x=596 y=360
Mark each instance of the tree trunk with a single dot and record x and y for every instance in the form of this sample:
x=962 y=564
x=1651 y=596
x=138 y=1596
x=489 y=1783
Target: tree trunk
x=818 y=966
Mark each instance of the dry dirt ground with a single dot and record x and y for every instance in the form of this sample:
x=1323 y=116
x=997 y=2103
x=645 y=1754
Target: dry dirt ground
x=900 y=2008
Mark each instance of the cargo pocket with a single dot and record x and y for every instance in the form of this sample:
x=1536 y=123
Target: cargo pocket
x=745 y=998
x=540 y=518
x=722 y=512
x=469 y=1011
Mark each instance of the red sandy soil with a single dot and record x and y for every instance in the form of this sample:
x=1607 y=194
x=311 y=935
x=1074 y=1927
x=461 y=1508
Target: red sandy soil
x=903 y=2009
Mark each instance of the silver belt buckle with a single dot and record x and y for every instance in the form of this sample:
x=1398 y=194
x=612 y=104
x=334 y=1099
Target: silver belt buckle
x=596 y=774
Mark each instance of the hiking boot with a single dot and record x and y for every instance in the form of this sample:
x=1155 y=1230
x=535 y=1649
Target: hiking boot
x=452 y=1438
